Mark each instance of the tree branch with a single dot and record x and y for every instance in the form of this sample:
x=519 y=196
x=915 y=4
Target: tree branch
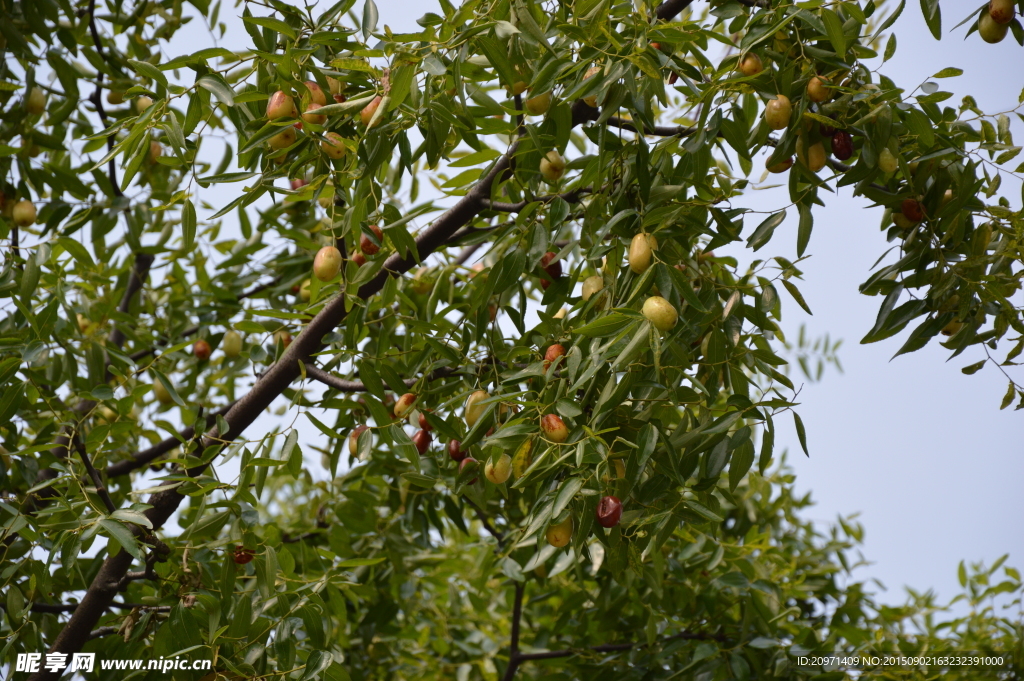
x=517 y=614
x=97 y=481
x=572 y=196
x=485 y=521
x=332 y=381
x=146 y=456
x=618 y=647
x=659 y=130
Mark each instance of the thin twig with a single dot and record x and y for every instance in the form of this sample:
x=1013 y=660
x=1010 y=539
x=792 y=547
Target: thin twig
x=97 y=481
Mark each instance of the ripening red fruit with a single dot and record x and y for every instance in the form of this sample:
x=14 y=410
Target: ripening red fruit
x=404 y=405
x=281 y=105
x=201 y=349
x=553 y=352
x=468 y=461
x=358 y=258
x=242 y=555
x=312 y=117
x=455 y=450
x=751 y=65
x=334 y=146
x=609 y=511
x=912 y=210
x=366 y=115
x=554 y=428
x=316 y=93
x=422 y=441
x=424 y=423
x=1001 y=10
x=842 y=145
x=368 y=245
x=353 y=439
x=551 y=266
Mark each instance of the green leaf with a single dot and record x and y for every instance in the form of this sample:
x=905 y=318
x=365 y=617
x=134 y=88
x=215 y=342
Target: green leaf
x=949 y=72
x=803 y=235
x=606 y=326
x=188 y=225
x=273 y=24
x=360 y=562
x=764 y=231
x=77 y=250
x=370 y=15
x=124 y=537
x=219 y=87
x=932 y=17
x=797 y=296
x=149 y=71
x=800 y=432
x=834 y=31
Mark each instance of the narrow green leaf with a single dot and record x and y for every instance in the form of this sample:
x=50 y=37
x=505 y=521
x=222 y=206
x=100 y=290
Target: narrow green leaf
x=800 y=432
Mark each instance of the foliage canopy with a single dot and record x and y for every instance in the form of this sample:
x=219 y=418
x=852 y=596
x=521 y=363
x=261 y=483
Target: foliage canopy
x=156 y=304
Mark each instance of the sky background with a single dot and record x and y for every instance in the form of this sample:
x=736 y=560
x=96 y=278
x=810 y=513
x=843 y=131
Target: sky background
x=918 y=449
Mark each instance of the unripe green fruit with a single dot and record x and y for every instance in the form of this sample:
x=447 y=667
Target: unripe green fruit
x=143 y=103
x=641 y=250
x=990 y=30
x=552 y=167
x=163 y=396
x=592 y=285
x=818 y=90
x=814 y=156
x=592 y=99
x=327 y=263
x=539 y=105
x=777 y=112
x=560 y=534
x=24 y=213
x=751 y=65
x=304 y=293
x=35 y=103
x=887 y=162
x=231 y=344
x=660 y=313
x=310 y=116
x=474 y=410
x=500 y=471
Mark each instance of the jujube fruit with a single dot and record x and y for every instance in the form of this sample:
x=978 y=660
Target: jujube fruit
x=201 y=349
x=500 y=471
x=404 y=405
x=455 y=450
x=912 y=210
x=842 y=145
x=353 y=438
x=422 y=441
x=777 y=112
x=560 y=534
x=552 y=167
x=368 y=245
x=327 y=263
x=660 y=313
x=554 y=428
x=474 y=410
x=231 y=344
x=609 y=511
x=751 y=65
